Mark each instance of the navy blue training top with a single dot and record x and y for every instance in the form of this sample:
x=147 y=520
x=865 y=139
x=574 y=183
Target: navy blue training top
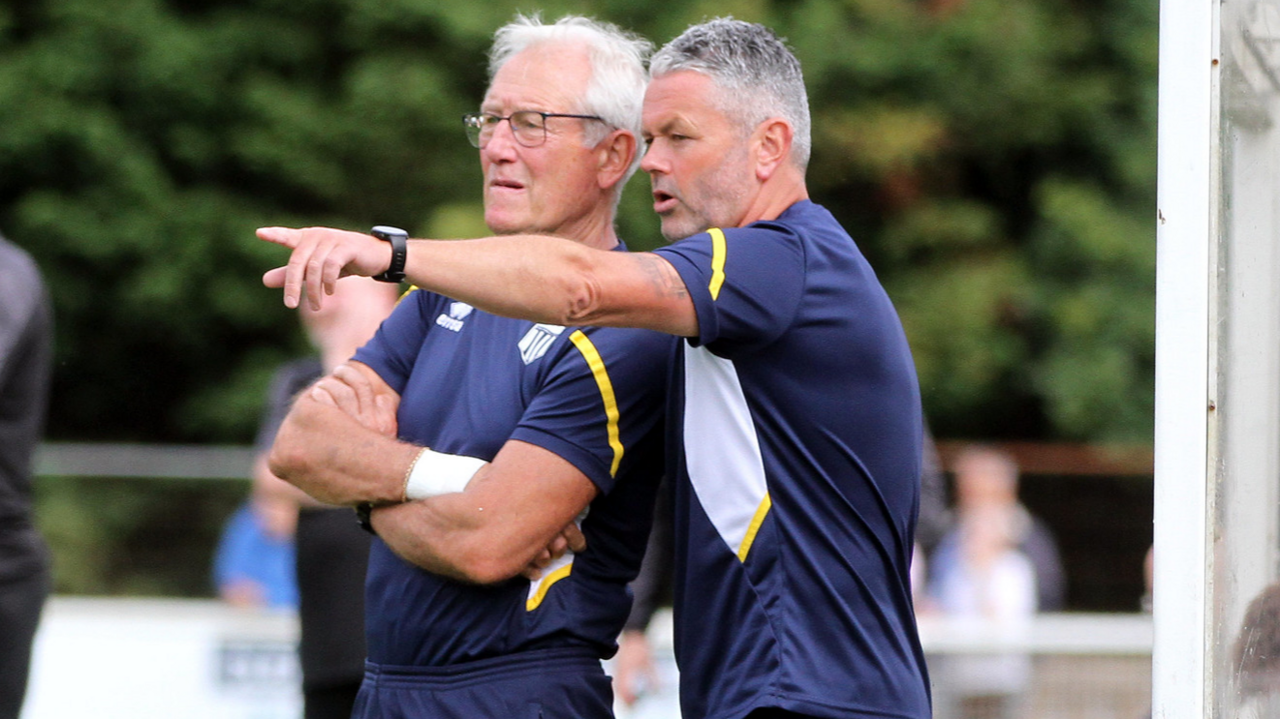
x=796 y=414
x=468 y=382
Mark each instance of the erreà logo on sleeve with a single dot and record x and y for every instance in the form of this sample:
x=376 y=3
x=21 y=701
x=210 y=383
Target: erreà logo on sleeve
x=458 y=312
x=537 y=341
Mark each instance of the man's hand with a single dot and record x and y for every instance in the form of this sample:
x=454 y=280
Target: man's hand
x=338 y=442
x=350 y=390
x=570 y=539
x=320 y=256
x=634 y=672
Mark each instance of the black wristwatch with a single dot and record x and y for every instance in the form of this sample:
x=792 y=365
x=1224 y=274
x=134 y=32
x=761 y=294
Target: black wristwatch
x=364 y=517
x=399 y=240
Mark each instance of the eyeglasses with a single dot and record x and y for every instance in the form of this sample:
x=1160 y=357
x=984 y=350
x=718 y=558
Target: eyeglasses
x=528 y=126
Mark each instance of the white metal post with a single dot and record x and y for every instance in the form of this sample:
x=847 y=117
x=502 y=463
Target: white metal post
x=1186 y=225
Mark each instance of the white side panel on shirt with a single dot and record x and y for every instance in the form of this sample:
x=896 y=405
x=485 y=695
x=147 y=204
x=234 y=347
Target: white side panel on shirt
x=722 y=450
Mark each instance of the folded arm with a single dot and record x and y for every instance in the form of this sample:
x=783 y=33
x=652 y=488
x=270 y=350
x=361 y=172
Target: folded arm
x=497 y=527
x=341 y=452
x=508 y=520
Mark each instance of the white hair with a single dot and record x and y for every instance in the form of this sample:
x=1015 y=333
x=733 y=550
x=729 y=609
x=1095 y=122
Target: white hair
x=615 y=90
x=758 y=76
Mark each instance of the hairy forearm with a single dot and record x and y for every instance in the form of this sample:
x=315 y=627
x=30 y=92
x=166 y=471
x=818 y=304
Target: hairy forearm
x=509 y=512
x=534 y=277
x=451 y=535
x=324 y=452
x=544 y=279
x=548 y=279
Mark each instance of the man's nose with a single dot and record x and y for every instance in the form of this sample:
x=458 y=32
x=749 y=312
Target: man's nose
x=502 y=143
x=654 y=160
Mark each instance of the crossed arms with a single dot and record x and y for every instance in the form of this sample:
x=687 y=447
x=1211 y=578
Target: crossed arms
x=339 y=445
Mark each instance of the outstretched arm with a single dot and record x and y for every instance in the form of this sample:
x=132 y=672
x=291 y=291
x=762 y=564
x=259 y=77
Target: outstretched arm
x=533 y=277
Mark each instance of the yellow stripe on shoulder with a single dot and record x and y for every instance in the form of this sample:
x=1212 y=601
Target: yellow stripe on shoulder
x=717 y=260
x=406 y=293
x=596 y=363
x=544 y=584
x=756 y=521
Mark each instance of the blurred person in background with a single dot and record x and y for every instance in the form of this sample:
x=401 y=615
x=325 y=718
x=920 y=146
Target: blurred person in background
x=988 y=568
x=332 y=552
x=502 y=431
x=635 y=672
x=253 y=565
x=26 y=346
x=987 y=477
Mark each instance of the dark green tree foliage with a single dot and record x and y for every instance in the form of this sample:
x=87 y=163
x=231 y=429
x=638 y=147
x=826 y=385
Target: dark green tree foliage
x=994 y=158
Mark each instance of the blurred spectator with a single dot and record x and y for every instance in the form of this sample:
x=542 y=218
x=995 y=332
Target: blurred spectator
x=997 y=566
x=933 y=519
x=332 y=550
x=254 y=566
x=993 y=583
x=634 y=670
x=985 y=476
x=26 y=339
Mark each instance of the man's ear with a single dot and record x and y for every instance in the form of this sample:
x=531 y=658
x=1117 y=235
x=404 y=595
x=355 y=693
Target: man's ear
x=771 y=143
x=614 y=155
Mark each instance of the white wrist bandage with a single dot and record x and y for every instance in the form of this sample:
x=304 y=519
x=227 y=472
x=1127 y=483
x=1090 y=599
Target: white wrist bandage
x=433 y=473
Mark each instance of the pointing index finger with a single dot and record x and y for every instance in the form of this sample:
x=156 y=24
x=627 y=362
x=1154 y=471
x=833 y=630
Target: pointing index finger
x=280 y=276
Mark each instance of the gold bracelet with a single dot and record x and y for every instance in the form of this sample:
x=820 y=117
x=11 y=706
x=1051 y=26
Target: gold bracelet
x=404 y=488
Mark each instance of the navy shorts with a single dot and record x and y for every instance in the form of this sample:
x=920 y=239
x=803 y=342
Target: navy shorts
x=541 y=684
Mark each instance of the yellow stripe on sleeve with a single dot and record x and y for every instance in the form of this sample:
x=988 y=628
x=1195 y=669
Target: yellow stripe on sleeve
x=589 y=353
x=717 y=260
x=756 y=521
x=406 y=293
x=544 y=584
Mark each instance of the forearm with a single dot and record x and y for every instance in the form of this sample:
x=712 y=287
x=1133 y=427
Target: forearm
x=534 y=277
x=548 y=279
x=491 y=531
x=453 y=535
x=323 y=451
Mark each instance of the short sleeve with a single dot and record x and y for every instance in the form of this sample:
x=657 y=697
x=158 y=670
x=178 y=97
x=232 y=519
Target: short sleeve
x=746 y=283
x=394 y=347
x=601 y=399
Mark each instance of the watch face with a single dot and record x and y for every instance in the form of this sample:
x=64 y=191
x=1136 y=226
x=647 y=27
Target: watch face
x=385 y=232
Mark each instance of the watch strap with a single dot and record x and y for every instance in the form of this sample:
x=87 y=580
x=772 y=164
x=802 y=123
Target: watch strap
x=399 y=240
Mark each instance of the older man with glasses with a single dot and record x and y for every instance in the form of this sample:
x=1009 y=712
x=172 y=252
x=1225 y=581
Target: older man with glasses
x=477 y=439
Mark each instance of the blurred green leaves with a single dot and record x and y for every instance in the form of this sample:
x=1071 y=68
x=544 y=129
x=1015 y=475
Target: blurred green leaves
x=995 y=159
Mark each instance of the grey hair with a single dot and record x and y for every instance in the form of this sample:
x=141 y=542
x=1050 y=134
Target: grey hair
x=757 y=74
x=615 y=91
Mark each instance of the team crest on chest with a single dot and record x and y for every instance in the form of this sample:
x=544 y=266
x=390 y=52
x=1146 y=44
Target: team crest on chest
x=458 y=312
x=537 y=341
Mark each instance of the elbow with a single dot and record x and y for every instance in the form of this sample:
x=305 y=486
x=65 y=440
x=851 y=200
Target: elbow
x=477 y=561
x=488 y=568
x=286 y=460
x=280 y=462
x=583 y=304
